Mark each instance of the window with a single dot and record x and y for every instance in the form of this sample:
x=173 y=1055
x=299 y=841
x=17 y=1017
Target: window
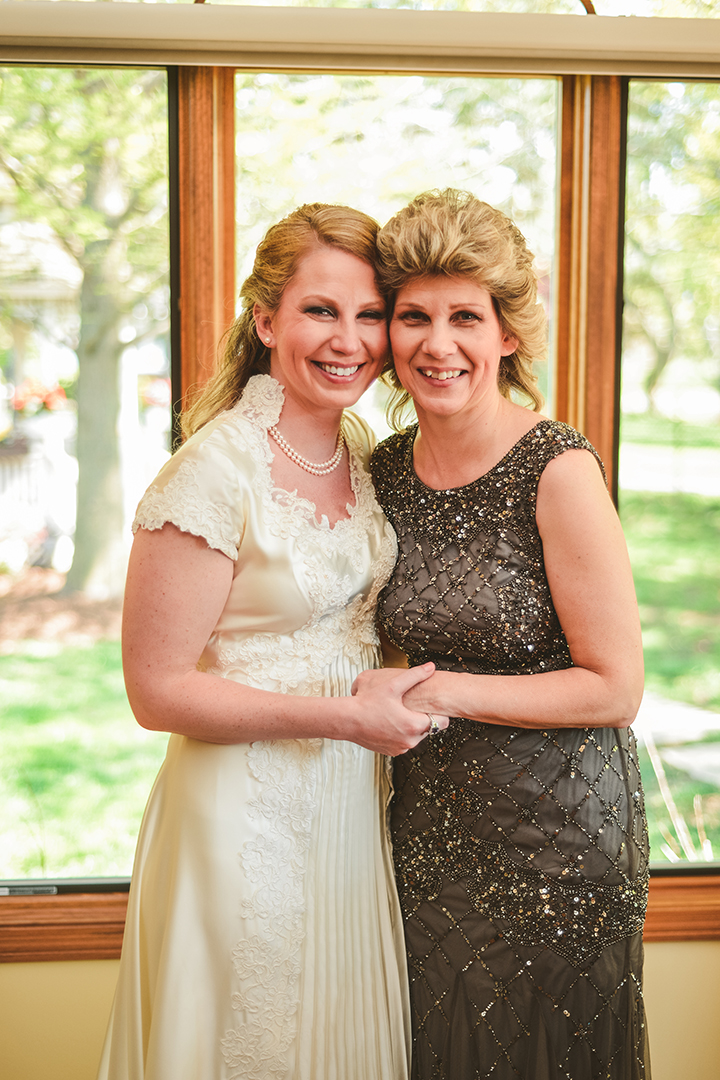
x=85 y=418
x=439 y=44
x=326 y=138
x=73 y=753
x=670 y=453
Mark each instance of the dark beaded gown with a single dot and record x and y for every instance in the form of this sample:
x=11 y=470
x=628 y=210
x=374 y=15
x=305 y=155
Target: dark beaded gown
x=521 y=854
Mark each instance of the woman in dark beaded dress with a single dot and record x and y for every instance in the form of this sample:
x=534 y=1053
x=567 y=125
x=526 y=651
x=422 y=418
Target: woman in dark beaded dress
x=519 y=834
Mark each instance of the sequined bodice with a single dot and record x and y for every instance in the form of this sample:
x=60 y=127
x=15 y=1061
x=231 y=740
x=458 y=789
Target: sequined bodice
x=469 y=589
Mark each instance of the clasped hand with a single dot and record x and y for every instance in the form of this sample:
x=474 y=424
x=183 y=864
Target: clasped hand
x=385 y=724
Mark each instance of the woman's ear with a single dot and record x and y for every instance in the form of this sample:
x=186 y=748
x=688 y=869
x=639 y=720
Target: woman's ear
x=263 y=325
x=509 y=345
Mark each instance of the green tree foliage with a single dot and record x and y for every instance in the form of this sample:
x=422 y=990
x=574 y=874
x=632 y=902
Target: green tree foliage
x=374 y=142
x=84 y=152
x=672 y=265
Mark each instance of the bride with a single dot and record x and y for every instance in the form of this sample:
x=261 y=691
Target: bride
x=263 y=936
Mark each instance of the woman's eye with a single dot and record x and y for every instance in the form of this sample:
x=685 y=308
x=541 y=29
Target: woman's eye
x=467 y=316
x=372 y=315
x=319 y=310
x=411 y=317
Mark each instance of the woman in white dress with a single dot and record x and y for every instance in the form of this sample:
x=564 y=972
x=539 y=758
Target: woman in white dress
x=263 y=937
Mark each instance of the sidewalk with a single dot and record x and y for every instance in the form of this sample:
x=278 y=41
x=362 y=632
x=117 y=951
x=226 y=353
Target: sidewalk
x=675 y=727
x=668 y=468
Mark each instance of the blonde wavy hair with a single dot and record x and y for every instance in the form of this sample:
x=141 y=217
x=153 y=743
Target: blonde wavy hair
x=276 y=260
x=453 y=233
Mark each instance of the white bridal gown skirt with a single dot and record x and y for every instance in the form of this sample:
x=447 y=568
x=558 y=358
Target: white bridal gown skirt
x=263 y=936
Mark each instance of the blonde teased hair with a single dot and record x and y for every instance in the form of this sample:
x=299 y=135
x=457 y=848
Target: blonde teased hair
x=276 y=260
x=453 y=233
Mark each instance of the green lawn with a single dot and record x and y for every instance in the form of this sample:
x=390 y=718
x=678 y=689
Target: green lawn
x=661 y=431
x=76 y=769
x=687 y=794
x=674 y=543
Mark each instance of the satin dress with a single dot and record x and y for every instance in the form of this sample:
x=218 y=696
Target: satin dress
x=264 y=936
x=521 y=854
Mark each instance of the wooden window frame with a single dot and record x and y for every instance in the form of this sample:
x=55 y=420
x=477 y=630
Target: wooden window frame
x=591 y=223
x=588 y=299
x=206 y=216
x=89 y=926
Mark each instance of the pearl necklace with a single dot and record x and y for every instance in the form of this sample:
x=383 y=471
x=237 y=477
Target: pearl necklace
x=321 y=469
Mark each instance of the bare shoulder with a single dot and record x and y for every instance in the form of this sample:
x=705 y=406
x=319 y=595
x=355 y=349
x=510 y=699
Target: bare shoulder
x=575 y=514
x=574 y=474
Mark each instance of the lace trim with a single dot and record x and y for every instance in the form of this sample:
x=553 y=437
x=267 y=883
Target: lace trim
x=261 y=402
x=267 y=963
x=181 y=502
x=339 y=622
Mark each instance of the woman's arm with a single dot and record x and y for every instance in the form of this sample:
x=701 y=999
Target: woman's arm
x=176 y=589
x=588 y=570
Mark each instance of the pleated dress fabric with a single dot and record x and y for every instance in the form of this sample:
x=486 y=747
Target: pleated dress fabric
x=264 y=936
x=521 y=854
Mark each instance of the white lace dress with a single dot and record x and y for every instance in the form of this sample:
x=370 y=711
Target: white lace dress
x=263 y=937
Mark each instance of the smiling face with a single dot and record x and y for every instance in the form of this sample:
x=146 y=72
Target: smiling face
x=447 y=343
x=328 y=338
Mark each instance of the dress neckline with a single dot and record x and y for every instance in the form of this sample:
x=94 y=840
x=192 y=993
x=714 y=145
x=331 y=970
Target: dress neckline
x=261 y=402
x=412 y=435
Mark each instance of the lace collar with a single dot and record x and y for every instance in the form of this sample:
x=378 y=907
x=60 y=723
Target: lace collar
x=288 y=513
x=261 y=401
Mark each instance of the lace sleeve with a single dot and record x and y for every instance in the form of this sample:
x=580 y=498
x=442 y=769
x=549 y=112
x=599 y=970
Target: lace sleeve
x=201 y=491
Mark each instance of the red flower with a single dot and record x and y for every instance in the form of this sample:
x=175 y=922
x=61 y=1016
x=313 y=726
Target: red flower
x=33 y=396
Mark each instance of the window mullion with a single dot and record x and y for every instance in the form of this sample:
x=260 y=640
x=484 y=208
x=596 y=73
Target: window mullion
x=589 y=291
x=206 y=197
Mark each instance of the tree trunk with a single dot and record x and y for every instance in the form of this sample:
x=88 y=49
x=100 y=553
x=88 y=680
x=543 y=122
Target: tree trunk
x=100 y=560
x=661 y=361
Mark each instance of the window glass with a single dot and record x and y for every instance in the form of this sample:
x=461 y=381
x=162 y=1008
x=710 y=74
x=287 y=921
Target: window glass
x=84 y=423
x=670 y=452
x=374 y=142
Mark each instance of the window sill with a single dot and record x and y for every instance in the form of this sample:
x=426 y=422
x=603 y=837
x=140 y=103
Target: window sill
x=89 y=926
x=684 y=909
x=79 y=926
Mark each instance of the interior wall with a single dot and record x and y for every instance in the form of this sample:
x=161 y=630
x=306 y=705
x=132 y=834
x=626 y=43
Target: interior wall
x=53 y=1018
x=682 y=995
x=53 y=1015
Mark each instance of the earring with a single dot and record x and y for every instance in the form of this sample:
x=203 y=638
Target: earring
x=267 y=340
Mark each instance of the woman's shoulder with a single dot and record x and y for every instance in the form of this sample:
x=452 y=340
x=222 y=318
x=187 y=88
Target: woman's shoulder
x=218 y=448
x=241 y=430
x=387 y=457
x=207 y=486
x=387 y=452
x=359 y=436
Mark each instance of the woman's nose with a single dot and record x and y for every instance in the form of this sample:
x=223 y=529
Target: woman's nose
x=439 y=341
x=346 y=339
